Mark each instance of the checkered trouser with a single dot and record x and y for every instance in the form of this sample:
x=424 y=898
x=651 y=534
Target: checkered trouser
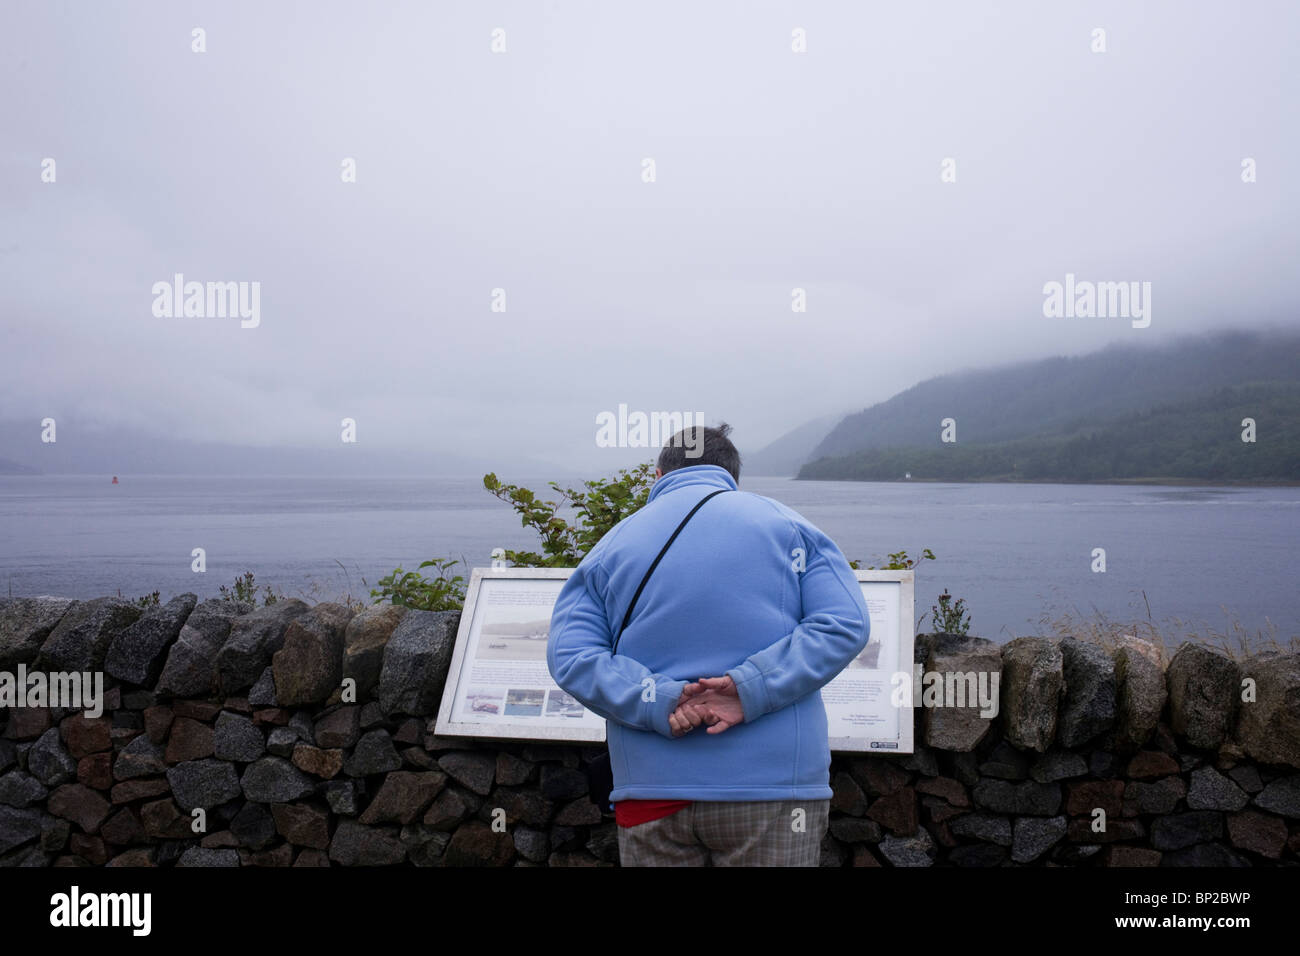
x=734 y=833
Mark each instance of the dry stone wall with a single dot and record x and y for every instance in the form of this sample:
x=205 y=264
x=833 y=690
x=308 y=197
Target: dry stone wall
x=1094 y=757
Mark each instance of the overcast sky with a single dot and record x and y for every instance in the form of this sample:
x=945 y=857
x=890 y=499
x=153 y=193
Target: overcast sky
x=523 y=170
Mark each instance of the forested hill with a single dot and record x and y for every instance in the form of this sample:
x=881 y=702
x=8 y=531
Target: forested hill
x=1121 y=413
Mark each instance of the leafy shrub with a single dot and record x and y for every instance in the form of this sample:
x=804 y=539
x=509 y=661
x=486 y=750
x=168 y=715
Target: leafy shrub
x=950 y=616
x=244 y=591
x=898 y=561
x=446 y=592
x=598 y=506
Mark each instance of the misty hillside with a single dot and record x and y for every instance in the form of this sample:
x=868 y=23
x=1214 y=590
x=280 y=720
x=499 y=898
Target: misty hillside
x=1034 y=398
x=1198 y=439
x=8 y=467
x=783 y=457
x=116 y=450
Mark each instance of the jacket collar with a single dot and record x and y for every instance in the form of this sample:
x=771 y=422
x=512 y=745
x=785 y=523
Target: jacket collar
x=706 y=476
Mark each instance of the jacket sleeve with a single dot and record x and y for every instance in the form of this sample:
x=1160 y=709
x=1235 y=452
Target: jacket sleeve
x=580 y=658
x=834 y=630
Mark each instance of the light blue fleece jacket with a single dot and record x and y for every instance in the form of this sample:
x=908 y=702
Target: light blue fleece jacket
x=726 y=599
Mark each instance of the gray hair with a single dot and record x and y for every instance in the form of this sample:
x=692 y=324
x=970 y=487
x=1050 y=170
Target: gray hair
x=717 y=450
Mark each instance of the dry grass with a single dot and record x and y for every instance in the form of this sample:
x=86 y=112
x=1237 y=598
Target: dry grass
x=1233 y=639
x=315 y=591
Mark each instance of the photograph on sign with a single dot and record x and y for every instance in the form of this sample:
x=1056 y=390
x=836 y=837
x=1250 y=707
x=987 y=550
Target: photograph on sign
x=498 y=685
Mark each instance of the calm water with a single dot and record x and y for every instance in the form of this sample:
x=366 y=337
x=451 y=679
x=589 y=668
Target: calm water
x=1203 y=556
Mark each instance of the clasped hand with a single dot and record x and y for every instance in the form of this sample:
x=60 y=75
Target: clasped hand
x=713 y=701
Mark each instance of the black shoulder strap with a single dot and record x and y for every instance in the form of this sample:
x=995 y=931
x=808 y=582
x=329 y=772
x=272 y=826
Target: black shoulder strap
x=664 y=550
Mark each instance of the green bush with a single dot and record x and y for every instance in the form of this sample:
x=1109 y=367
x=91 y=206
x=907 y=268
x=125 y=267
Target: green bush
x=244 y=591
x=411 y=589
x=598 y=506
x=898 y=561
x=950 y=616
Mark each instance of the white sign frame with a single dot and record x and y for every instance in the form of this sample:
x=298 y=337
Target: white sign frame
x=904 y=647
x=449 y=725
x=446 y=725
